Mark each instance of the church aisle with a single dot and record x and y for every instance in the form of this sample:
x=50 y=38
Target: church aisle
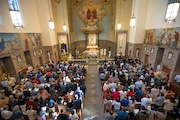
x=93 y=106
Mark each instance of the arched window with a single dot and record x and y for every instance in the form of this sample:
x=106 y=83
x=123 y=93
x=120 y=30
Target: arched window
x=16 y=16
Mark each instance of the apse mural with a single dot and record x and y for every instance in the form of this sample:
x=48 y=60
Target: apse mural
x=9 y=42
x=167 y=36
x=91 y=13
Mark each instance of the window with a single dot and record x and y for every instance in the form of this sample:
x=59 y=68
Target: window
x=15 y=13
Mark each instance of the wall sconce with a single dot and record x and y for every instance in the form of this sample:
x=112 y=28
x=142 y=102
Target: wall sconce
x=172 y=11
x=133 y=18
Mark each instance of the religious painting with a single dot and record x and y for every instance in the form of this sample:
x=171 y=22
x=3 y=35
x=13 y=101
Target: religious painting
x=32 y=40
x=121 y=42
x=149 y=37
x=166 y=36
x=92 y=39
x=63 y=43
x=91 y=13
x=9 y=42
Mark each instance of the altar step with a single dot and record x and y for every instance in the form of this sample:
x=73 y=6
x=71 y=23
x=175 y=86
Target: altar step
x=92 y=61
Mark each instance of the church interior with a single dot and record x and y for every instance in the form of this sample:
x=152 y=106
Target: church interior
x=40 y=33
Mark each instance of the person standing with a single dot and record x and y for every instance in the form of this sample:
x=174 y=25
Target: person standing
x=159 y=101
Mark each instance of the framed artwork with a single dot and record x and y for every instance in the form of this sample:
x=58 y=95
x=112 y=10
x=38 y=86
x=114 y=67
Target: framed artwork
x=92 y=39
x=121 y=40
x=170 y=55
x=63 y=42
x=19 y=59
x=152 y=50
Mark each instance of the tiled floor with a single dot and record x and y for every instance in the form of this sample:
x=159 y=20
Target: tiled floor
x=93 y=106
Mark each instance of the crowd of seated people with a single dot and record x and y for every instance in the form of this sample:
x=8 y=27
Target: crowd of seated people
x=133 y=91
x=53 y=92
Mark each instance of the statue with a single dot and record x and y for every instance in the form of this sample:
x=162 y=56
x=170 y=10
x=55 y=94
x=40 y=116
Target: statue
x=137 y=53
x=109 y=53
x=49 y=56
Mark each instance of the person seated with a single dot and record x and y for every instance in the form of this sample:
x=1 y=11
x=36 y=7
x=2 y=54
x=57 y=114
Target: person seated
x=73 y=116
x=116 y=105
x=130 y=93
x=102 y=76
x=160 y=114
x=142 y=114
x=124 y=102
x=63 y=116
x=115 y=94
x=122 y=114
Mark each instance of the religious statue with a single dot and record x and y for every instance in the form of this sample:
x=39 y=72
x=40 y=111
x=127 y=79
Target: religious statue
x=49 y=56
x=137 y=53
x=63 y=46
x=109 y=53
x=104 y=52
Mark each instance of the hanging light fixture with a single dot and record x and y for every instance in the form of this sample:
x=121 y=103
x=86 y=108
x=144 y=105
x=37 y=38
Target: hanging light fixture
x=51 y=22
x=133 y=18
x=172 y=11
x=119 y=23
x=64 y=25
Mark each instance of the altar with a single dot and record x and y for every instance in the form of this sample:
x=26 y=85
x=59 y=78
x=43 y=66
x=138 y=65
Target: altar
x=91 y=51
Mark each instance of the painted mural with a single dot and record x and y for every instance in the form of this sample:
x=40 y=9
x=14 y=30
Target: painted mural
x=32 y=40
x=166 y=36
x=9 y=42
x=91 y=13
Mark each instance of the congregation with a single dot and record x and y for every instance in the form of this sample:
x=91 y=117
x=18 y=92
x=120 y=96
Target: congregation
x=134 y=91
x=50 y=92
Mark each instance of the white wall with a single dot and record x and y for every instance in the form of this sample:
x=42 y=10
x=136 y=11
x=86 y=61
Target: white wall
x=140 y=12
x=36 y=15
x=30 y=17
x=156 y=14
